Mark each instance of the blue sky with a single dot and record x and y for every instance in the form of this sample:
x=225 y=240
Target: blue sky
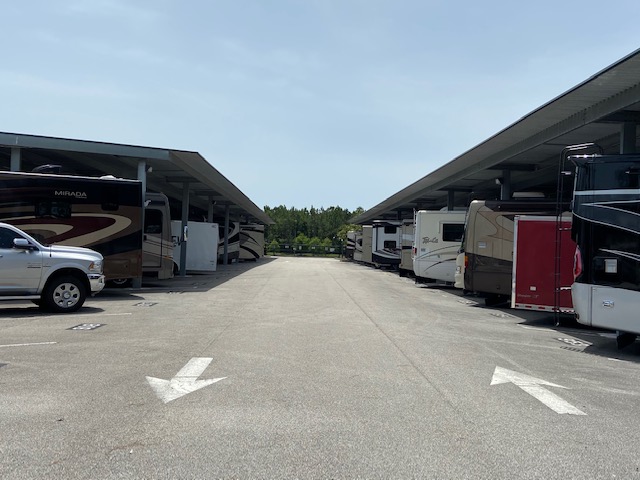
x=301 y=102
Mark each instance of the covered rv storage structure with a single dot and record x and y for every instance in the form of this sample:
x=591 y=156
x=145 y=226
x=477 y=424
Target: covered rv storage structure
x=604 y=109
x=192 y=184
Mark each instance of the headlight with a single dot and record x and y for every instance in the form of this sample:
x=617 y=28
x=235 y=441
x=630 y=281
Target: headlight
x=96 y=267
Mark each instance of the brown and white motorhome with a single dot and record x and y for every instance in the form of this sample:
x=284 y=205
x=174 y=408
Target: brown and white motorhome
x=101 y=213
x=158 y=242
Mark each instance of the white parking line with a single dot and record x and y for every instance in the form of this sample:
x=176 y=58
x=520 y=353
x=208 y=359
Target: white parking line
x=92 y=315
x=28 y=344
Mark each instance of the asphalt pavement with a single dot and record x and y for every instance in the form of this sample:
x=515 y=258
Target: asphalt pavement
x=310 y=368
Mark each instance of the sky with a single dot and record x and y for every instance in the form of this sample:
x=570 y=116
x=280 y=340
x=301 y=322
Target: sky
x=301 y=102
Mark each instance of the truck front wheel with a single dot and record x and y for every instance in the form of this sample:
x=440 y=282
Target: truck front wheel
x=64 y=294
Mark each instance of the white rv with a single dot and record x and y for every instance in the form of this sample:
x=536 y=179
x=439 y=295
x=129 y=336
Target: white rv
x=386 y=243
x=437 y=240
x=201 y=241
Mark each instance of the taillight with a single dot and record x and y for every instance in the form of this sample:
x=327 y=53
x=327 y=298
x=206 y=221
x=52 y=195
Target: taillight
x=577 y=263
x=466 y=261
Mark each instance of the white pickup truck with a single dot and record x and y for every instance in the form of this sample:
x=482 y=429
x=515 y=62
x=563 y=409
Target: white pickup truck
x=56 y=277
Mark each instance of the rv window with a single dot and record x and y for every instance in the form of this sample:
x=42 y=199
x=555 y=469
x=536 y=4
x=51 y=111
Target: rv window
x=389 y=244
x=53 y=209
x=390 y=230
x=152 y=221
x=609 y=176
x=452 y=232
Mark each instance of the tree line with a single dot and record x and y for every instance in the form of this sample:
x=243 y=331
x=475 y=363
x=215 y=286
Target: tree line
x=313 y=227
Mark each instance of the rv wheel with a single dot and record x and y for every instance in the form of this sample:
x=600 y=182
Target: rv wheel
x=495 y=300
x=119 y=282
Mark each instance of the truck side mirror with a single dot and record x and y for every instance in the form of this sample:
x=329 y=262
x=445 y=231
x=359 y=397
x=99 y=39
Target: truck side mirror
x=23 y=244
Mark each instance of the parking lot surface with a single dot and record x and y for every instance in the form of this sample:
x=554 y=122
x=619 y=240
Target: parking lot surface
x=310 y=368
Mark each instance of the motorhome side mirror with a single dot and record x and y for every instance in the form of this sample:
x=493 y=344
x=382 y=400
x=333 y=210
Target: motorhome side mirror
x=22 y=243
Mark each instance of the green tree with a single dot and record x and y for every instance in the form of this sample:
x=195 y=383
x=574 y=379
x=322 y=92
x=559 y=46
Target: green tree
x=331 y=223
x=274 y=246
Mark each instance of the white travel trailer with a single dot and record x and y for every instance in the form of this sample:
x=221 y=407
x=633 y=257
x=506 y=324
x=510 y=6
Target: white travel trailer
x=437 y=240
x=201 y=240
x=251 y=241
x=386 y=243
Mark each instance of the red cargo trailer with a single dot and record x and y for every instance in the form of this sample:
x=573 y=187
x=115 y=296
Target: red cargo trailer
x=542 y=263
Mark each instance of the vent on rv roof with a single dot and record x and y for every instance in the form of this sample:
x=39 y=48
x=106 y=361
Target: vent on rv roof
x=528 y=195
x=48 y=168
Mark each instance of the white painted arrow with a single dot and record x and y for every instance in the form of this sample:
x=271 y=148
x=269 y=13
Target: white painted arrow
x=533 y=386
x=185 y=381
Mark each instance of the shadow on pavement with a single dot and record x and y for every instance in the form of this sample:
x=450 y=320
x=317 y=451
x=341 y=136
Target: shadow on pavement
x=190 y=282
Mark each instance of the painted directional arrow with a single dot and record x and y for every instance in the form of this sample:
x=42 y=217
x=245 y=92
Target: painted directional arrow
x=185 y=381
x=534 y=387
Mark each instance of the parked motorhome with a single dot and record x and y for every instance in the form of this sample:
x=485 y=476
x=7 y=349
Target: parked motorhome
x=233 y=245
x=357 y=252
x=406 y=256
x=251 y=241
x=542 y=263
x=158 y=240
x=367 y=238
x=350 y=248
x=201 y=242
x=488 y=244
x=437 y=240
x=101 y=213
x=459 y=275
x=606 y=228
x=386 y=243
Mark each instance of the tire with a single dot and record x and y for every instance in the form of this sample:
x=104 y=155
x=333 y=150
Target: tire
x=64 y=294
x=120 y=282
x=495 y=299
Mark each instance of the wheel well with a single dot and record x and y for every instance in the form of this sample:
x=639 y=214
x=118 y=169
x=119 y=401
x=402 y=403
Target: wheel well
x=74 y=272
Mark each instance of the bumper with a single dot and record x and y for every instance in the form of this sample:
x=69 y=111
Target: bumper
x=96 y=282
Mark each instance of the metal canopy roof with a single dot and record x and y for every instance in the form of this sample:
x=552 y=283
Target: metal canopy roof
x=530 y=148
x=168 y=171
